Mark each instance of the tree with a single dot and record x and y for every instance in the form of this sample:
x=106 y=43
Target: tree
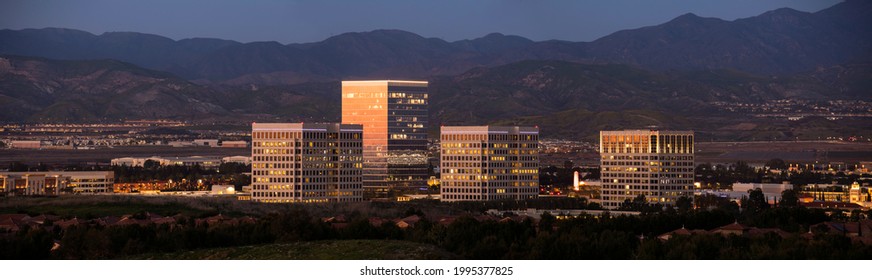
x=684 y=204
x=150 y=164
x=639 y=203
x=17 y=166
x=547 y=222
x=756 y=201
x=789 y=199
x=776 y=163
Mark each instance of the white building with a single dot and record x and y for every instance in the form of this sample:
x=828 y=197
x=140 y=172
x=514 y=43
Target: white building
x=55 y=182
x=296 y=162
x=223 y=189
x=25 y=144
x=237 y=159
x=489 y=163
x=656 y=164
x=206 y=142
x=204 y=162
x=234 y=144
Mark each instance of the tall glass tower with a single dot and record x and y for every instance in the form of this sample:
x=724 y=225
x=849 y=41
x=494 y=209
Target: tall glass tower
x=394 y=119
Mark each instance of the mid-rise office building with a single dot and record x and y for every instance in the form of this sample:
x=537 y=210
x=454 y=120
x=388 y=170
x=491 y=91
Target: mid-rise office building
x=55 y=182
x=394 y=119
x=489 y=163
x=656 y=164
x=296 y=162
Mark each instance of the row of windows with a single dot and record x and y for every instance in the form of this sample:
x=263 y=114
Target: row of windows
x=383 y=95
x=651 y=195
x=407 y=95
x=301 y=195
x=305 y=188
x=529 y=138
x=654 y=188
x=491 y=158
x=669 y=144
x=647 y=163
x=258 y=135
x=298 y=180
x=660 y=171
x=452 y=197
x=488 y=152
x=323 y=200
x=507 y=183
x=527 y=190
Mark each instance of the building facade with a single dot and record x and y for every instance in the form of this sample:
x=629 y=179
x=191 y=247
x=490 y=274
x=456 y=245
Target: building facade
x=656 y=164
x=296 y=162
x=206 y=162
x=489 y=163
x=394 y=119
x=55 y=182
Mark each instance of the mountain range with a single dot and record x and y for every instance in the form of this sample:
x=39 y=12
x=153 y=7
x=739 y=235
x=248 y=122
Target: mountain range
x=783 y=41
x=566 y=99
x=668 y=75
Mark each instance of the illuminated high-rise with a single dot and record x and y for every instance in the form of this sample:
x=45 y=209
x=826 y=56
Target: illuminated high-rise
x=296 y=162
x=489 y=163
x=656 y=164
x=394 y=119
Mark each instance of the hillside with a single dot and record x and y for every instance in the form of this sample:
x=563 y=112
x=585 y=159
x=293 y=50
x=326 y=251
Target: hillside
x=577 y=100
x=36 y=89
x=566 y=99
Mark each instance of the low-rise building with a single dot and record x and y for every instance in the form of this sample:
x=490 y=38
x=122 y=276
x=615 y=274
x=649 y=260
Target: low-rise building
x=55 y=182
x=204 y=162
x=234 y=144
x=223 y=189
x=206 y=142
x=237 y=159
x=26 y=144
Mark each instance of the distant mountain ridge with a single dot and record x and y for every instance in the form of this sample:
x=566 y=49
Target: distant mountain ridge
x=778 y=42
x=565 y=99
x=39 y=89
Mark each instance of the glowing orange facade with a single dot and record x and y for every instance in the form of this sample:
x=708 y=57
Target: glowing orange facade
x=394 y=119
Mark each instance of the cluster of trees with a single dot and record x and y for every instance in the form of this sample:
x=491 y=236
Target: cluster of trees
x=17 y=166
x=186 y=176
x=584 y=237
x=723 y=176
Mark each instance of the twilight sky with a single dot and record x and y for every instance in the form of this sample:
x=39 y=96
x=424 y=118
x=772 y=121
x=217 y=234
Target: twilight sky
x=298 y=21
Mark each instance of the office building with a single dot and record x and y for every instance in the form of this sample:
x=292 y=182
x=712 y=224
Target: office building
x=55 y=182
x=205 y=162
x=656 y=164
x=489 y=163
x=394 y=119
x=296 y=162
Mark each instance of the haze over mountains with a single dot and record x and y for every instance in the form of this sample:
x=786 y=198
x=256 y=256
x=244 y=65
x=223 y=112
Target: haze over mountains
x=670 y=73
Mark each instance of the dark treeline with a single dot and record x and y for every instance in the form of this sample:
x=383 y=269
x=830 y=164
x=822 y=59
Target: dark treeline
x=472 y=237
x=723 y=176
x=185 y=176
x=227 y=173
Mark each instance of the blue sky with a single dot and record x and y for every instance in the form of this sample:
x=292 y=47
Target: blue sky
x=309 y=21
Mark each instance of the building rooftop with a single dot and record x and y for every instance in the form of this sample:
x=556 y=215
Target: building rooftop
x=489 y=129
x=390 y=82
x=306 y=127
